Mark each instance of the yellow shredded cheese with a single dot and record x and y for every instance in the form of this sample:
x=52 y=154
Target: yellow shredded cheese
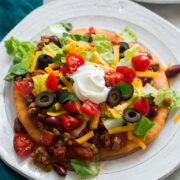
x=56 y=113
x=39 y=70
x=57 y=105
x=33 y=66
x=49 y=53
x=129 y=135
x=48 y=70
x=121 y=129
x=98 y=58
x=168 y=66
x=94 y=121
x=69 y=39
x=103 y=119
x=56 y=72
x=137 y=83
x=113 y=112
x=101 y=66
x=146 y=74
x=63 y=59
x=176 y=119
x=103 y=107
x=84 y=138
x=50 y=50
x=34 y=92
x=84 y=44
x=116 y=54
x=44 y=88
x=140 y=142
x=53 y=66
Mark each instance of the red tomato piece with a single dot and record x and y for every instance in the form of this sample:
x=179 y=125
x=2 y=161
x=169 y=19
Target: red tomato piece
x=60 y=153
x=142 y=106
x=73 y=62
x=119 y=136
x=141 y=62
x=71 y=107
x=47 y=138
x=90 y=108
x=70 y=123
x=52 y=82
x=23 y=144
x=129 y=73
x=92 y=30
x=63 y=69
x=84 y=152
x=24 y=87
x=113 y=79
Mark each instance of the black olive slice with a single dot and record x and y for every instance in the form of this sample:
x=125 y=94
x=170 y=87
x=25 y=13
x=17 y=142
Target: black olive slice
x=123 y=46
x=121 y=55
x=131 y=115
x=43 y=61
x=59 y=92
x=114 y=97
x=44 y=99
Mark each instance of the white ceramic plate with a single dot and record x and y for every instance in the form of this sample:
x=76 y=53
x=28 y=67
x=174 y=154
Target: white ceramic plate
x=160 y=1
x=163 y=39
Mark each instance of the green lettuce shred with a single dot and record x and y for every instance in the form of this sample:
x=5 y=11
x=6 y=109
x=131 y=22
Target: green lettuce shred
x=28 y=59
x=87 y=56
x=128 y=54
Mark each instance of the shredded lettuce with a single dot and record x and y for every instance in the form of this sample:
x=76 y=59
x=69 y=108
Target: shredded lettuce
x=56 y=29
x=113 y=123
x=28 y=59
x=143 y=125
x=85 y=168
x=103 y=47
x=128 y=54
x=87 y=56
x=53 y=46
x=128 y=35
x=162 y=93
x=17 y=69
x=67 y=26
x=39 y=82
x=149 y=89
x=17 y=48
x=77 y=131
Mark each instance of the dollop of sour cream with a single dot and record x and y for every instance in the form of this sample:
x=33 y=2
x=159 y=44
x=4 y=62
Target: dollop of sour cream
x=89 y=84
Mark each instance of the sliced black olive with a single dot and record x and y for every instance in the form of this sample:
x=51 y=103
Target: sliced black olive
x=44 y=99
x=123 y=47
x=121 y=55
x=114 y=97
x=59 y=92
x=43 y=61
x=131 y=115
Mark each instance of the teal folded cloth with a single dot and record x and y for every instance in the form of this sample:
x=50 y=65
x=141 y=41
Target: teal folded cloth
x=12 y=12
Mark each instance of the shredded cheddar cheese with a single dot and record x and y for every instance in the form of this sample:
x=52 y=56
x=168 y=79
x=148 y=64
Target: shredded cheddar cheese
x=34 y=92
x=39 y=70
x=63 y=59
x=50 y=50
x=121 y=129
x=44 y=88
x=103 y=107
x=116 y=54
x=33 y=66
x=48 y=70
x=49 y=53
x=113 y=112
x=53 y=66
x=146 y=74
x=66 y=82
x=94 y=121
x=168 y=66
x=84 y=138
x=98 y=58
x=176 y=119
x=137 y=83
x=101 y=66
x=56 y=113
x=129 y=135
x=139 y=141
x=57 y=105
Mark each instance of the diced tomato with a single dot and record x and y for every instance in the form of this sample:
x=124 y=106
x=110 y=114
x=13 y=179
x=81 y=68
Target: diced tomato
x=129 y=73
x=90 y=108
x=84 y=152
x=24 y=87
x=142 y=106
x=23 y=144
x=60 y=153
x=141 y=62
x=73 y=62
x=47 y=138
x=113 y=79
x=52 y=82
x=121 y=137
x=92 y=30
x=70 y=123
x=63 y=69
x=71 y=107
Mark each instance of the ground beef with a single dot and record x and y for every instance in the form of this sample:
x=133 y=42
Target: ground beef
x=68 y=138
x=154 y=65
x=105 y=140
x=91 y=146
x=44 y=40
x=33 y=109
x=41 y=158
x=56 y=132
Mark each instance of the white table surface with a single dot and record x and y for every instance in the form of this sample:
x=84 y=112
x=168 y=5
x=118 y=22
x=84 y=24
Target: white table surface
x=172 y=14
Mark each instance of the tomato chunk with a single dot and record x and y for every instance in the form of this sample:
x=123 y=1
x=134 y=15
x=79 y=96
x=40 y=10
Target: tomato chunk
x=71 y=107
x=113 y=79
x=60 y=153
x=118 y=140
x=52 y=82
x=90 y=108
x=73 y=62
x=23 y=144
x=70 y=123
x=47 y=138
x=92 y=30
x=129 y=73
x=84 y=152
x=141 y=62
x=63 y=69
x=142 y=106
x=24 y=87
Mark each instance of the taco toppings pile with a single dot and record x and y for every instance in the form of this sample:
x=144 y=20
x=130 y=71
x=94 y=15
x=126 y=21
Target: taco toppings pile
x=82 y=95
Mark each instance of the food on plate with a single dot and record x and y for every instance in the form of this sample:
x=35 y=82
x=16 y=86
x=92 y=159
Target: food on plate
x=86 y=94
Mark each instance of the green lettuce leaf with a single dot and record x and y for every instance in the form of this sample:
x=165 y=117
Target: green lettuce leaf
x=52 y=46
x=113 y=123
x=18 y=48
x=175 y=98
x=9 y=77
x=87 y=56
x=128 y=54
x=143 y=125
x=85 y=168
x=56 y=29
x=39 y=82
x=67 y=26
x=128 y=35
x=17 y=69
x=28 y=59
x=103 y=47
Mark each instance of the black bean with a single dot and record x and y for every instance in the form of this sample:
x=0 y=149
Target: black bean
x=146 y=80
x=18 y=127
x=153 y=111
x=30 y=99
x=173 y=70
x=55 y=40
x=18 y=78
x=60 y=169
